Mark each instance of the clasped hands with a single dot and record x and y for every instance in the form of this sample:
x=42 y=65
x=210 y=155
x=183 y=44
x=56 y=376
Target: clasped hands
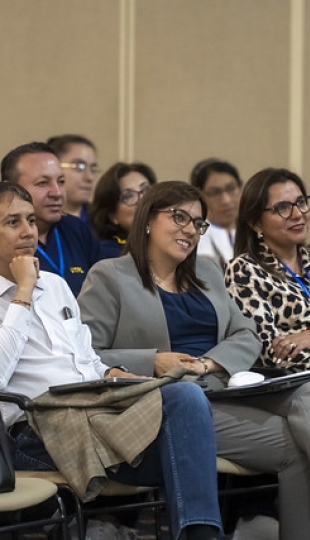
x=166 y=360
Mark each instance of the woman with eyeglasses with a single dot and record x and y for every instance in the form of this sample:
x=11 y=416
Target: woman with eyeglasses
x=78 y=157
x=270 y=276
x=158 y=308
x=270 y=281
x=115 y=201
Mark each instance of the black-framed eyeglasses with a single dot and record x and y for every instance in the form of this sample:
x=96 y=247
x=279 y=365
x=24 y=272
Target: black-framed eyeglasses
x=131 y=197
x=81 y=166
x=285 y=208
x=182 y=218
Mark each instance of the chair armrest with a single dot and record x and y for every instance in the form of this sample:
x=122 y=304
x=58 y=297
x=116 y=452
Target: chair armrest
x=24 y=402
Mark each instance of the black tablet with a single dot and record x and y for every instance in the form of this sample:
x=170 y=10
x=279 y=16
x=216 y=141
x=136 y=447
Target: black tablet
x=98 y=384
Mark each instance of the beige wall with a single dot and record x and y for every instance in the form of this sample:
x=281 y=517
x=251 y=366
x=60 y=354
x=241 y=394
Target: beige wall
x=59 y=71
x=165 y=81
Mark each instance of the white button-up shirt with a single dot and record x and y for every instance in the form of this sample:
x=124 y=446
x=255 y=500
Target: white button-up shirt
x=217 y=243
x=40 y=347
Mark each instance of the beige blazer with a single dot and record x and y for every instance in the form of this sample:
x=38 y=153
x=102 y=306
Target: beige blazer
x=87 y=432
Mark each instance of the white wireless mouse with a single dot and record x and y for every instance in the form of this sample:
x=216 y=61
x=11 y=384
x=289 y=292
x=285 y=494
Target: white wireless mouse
x=243 y=378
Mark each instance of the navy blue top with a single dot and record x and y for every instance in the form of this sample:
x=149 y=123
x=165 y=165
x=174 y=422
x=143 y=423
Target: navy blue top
x=80 y=250
x=111 y=248
x=191 y=321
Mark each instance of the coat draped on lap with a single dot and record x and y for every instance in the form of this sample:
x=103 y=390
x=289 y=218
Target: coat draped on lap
x=86 y=432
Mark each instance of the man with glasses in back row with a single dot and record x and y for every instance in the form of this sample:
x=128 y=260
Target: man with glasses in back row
x=221 y=185
x=67 y=246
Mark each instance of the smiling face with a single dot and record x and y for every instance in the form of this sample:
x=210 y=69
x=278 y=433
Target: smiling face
x=280 y=234
x=42 y=176
x=18 y=231
x=169 y=243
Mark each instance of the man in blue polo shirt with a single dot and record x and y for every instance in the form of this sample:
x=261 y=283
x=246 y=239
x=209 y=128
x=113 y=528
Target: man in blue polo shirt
x=67 y=246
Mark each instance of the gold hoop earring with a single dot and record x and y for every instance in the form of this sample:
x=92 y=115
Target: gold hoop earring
x=260 y=235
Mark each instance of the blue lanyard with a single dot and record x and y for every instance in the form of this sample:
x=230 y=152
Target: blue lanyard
x=297 y=279
x=61 y=268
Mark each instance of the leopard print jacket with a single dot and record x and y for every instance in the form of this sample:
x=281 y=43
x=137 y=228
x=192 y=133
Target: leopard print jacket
x=277 y=304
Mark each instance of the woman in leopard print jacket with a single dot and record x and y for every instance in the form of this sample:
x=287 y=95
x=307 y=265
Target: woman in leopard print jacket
x=270 y=281
x=277 y=304
x=270 y=277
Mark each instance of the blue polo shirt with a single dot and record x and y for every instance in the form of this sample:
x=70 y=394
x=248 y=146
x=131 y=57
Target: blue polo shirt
x=76 y=245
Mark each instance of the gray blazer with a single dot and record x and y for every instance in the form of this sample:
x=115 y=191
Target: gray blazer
x=128 y=323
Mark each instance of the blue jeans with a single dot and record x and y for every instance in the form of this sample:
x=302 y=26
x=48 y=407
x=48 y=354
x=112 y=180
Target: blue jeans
x=29 y=453
x=182 y=459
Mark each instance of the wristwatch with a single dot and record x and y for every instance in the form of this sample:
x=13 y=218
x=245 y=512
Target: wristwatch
x=121 y=367
x=204 y=361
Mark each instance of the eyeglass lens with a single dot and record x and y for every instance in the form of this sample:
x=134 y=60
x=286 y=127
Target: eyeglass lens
x=130 y=197
x=183 y=218
x=285 y=208
x=81 y=166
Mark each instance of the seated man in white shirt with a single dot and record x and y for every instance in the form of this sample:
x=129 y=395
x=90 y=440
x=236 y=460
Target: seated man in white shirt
x=221 y=185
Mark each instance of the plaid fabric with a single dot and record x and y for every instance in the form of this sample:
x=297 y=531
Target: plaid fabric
x=86 y=432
